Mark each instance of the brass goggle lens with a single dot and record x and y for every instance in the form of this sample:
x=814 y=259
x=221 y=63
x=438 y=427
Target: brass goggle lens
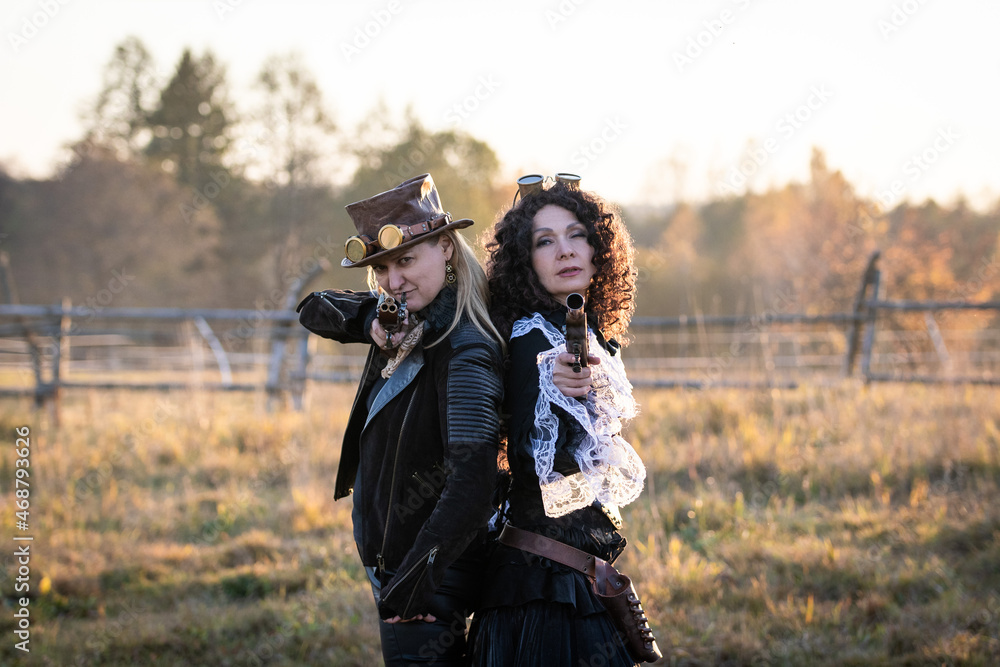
x=390 y=236
x=569 y=180
x=357 y=248
x=530 y=184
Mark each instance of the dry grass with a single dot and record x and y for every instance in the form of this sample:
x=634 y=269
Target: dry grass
x=817 y=526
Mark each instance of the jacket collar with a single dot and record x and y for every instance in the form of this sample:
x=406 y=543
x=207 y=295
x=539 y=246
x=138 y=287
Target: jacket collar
x=441 y=311
x=397 y=382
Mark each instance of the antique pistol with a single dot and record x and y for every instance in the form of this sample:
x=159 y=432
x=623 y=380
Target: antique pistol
x=390 y=313
x=576 y=330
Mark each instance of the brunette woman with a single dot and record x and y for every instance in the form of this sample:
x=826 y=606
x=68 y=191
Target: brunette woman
x=570 y=468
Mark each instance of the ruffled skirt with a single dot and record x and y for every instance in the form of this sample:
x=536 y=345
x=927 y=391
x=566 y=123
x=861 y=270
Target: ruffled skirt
x=536 y=612
x=545 y=634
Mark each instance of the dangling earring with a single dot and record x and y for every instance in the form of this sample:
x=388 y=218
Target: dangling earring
x=449 y=274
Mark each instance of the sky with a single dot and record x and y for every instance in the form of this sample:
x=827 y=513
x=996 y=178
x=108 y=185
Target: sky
x=650 y=102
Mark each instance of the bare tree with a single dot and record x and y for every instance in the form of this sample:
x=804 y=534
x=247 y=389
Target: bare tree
x=117 y=118
x=294 y=130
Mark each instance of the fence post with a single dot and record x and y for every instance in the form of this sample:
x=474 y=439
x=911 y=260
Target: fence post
x=280 y=332
x=934 y=332
x=9 y=288
x=872 y=311
x=7 y=279
x=299 y=377
x=221 y=360
x=60 y=357
x=854 y=331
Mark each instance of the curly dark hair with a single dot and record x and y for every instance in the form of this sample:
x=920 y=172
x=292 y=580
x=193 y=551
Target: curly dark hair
x=513 y=284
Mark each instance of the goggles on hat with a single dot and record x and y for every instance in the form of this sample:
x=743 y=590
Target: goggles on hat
x=532 y=184
x=390 y=236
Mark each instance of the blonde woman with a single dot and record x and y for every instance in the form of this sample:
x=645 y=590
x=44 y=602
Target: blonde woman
x=420 y=448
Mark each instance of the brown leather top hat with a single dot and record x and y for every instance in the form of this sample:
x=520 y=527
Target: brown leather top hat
x=404 y=216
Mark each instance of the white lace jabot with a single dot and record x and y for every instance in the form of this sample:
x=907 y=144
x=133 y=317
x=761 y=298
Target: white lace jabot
x=610 y=469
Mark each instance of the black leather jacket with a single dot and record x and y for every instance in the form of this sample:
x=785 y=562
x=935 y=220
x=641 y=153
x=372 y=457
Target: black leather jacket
x=425 y=455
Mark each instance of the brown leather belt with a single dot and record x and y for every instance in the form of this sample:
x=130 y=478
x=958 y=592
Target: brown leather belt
x=614 y=589
x=551 y=549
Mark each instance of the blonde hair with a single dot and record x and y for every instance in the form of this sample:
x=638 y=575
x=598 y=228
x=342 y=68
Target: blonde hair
x=472 y=294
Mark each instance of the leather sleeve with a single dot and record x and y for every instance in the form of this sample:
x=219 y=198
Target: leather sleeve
x=473 y=391
x=341 y=315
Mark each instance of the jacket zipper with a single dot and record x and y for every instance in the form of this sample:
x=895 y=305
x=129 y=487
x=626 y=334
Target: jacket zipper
x=392 y=486
x=328 y=301
x=431 y=555
x=419 y=479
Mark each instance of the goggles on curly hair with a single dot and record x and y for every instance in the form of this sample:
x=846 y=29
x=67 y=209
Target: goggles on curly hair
x=532 y=184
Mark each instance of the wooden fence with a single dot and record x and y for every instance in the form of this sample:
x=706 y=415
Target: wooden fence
x=45 y=349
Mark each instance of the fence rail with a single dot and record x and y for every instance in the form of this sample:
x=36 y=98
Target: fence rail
x=47 y=348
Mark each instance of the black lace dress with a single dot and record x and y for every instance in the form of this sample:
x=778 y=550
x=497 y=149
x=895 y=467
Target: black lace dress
x=535 y=611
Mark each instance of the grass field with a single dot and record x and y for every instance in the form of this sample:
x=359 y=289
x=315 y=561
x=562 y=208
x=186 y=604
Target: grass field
x=843 y=525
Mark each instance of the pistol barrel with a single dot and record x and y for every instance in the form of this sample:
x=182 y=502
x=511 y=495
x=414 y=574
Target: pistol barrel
x=576 y=330
x=390 y=313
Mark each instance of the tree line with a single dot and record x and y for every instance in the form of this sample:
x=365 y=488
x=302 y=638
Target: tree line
x=202 y=204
